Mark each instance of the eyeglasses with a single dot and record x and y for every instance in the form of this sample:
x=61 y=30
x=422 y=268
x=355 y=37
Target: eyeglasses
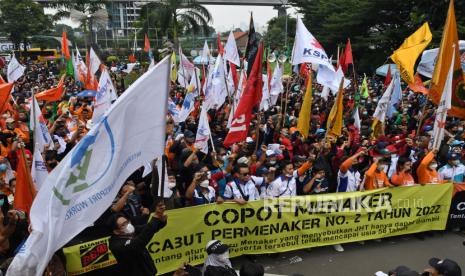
x=245 y=174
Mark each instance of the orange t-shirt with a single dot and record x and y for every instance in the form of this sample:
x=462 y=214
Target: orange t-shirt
x=425 y=175
x=402 y=179
x=374 y=179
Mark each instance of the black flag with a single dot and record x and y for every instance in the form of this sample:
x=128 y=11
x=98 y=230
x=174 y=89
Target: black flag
x=252 y=45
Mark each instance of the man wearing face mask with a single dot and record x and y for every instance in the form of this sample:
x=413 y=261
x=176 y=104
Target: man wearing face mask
x=128 y=244
x=375 y=177
x=218 y=263
x=427 y=170
x=454 y=169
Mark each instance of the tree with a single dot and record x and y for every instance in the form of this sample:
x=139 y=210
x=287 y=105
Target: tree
x=375 y=28
x=275 y=35
x=21 y=19
x=175 y=17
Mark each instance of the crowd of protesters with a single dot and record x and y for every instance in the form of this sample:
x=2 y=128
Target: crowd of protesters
x=274 y=161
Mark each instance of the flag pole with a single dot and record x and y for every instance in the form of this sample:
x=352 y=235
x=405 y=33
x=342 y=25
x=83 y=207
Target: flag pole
x=182 y=65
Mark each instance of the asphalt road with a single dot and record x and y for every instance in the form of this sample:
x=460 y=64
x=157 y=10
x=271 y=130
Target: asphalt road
x=373 y=256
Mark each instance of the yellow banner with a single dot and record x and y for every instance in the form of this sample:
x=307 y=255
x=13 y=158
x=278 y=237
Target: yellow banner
x=286 y=224
x=85 y=257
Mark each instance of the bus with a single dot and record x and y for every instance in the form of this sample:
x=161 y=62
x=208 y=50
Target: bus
x=39 y=55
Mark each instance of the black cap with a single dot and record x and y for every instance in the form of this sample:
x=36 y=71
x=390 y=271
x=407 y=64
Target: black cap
x=216 y=247
x=445 y=267
x=189 y=134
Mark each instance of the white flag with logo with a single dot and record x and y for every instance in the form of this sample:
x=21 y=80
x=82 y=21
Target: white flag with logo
x=106 y=93
x=215 y=93
x=39 y=171
x=81 y=67
x=88 y=179
x=383 y=104
x=203 y=132
x=94 y=62
x=230 y=50
x=307 y=48
x=332 y=79
x=15 y=70
x=443 y=106
x=39 y=127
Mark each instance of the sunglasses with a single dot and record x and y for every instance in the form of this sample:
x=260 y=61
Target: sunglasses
x=245 y=174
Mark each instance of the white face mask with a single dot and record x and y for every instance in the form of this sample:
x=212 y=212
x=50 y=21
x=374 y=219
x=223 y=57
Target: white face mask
x=456 y=162
x=433 y=166
x=129 y=229
x=460 y=129
x=224 y=257
x=381 y=167
x=272 y=162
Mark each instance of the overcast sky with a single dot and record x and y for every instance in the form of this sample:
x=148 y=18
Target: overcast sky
x=229 y=17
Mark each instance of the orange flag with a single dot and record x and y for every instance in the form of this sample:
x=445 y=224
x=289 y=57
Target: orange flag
x=146 y=44
x=5 y=90
x=132 y=58
x=64 y=45
x=418 y=86
x=52 y=94
x=25 y=190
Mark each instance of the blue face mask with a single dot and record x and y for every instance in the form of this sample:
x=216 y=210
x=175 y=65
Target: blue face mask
x=3 y=167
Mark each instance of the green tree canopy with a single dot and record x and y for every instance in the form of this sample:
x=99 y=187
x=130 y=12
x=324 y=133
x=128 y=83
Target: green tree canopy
x=375 y=28
x=21 y=19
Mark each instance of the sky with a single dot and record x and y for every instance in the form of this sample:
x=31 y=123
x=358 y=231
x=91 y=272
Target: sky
x=228 y=17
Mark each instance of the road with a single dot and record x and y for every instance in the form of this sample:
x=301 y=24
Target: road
x=365 y=259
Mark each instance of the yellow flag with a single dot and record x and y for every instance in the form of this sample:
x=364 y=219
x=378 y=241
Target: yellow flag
x=377 y=129
x=334 y=123
x=449 y=38
x=174 y=72
x=407 y=54
x=303 y=124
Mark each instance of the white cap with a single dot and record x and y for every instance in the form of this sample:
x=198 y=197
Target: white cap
x=270 y=152
x=243 y=160
x=249 y=140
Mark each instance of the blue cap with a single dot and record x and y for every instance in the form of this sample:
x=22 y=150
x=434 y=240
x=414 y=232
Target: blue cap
x=457 y=143
x=321 y=130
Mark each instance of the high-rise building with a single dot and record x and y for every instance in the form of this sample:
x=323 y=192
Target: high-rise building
x=122 y=16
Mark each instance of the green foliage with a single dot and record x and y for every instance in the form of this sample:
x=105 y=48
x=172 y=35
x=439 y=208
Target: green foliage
x=21 y=19
x=275 y=35
x=173 y=18
x=375 y=28
x=111 y=59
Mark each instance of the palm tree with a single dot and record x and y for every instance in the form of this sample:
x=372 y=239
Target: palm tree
x=175 y=17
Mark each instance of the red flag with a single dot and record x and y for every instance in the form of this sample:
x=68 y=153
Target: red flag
x=146 y=44
x=64 y=45
x=303 y=70
x=250 y=98
x=220 y=45
x=5 y=90
x=52 y=94
x=346 y=58
x=25 y=190
x=387 y=80
x=132 y=58
x=233 y=69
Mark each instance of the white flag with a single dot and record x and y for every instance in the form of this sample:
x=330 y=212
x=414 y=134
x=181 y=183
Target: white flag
x=152 y=64
x=185 y=69
x=129 y=68
x=265 y=103
x=215 y=93
x=39 y=127
x=203 y=132
x=94 y=62
x=325 y=93
x=443 y=106
x=307 y=48
x=15 y=70
x=276 y=84
x=237 y=97
x=39 y=171
x=75 y=68
x=81 y=67
x=205 y=53
x=357 y=121
x=187 y=107
x=332 y=79
x=429 y=58
x=383 y=104
x=106 y=93
x=230 y=50
x=87 y=180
